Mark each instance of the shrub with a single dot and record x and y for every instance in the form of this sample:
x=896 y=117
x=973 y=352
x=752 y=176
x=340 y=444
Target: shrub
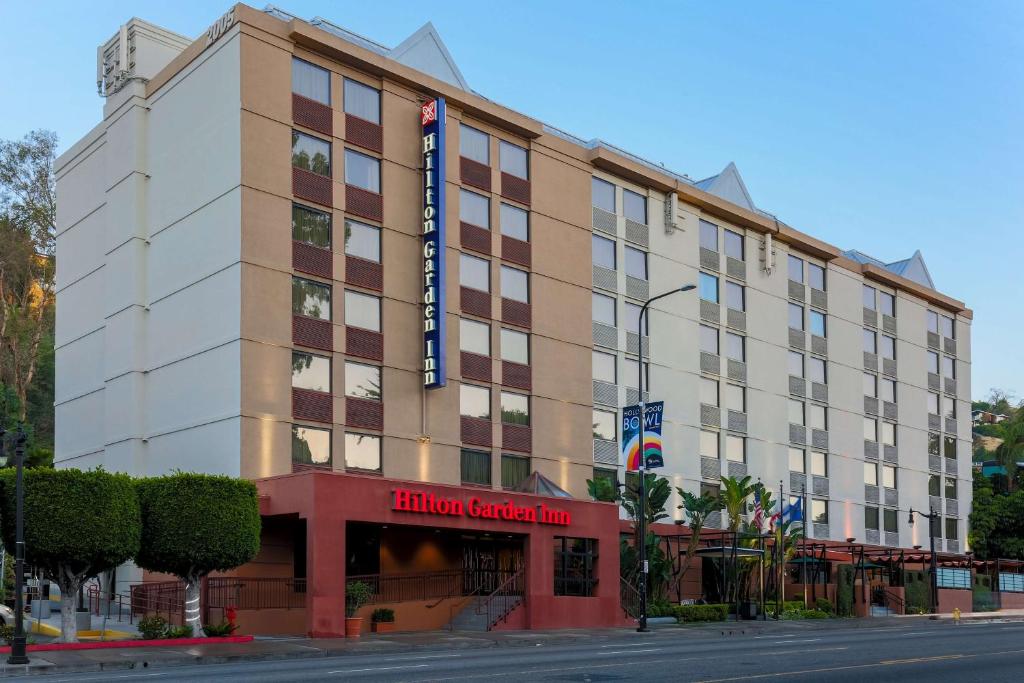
x=382 y=615
x=916 y=595
x=844 y=590
x=7 y=633
x=824 y=605
x=221 y=630
x=179 y=631
x=660 y=608
x=152 y=627
x=357 y=594
x=805 y=614
x=692 y=613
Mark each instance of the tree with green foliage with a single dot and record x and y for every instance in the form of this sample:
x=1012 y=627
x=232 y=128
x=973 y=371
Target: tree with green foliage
x=658 y=562
x=77 y=524
x=194 y=524
x=734 y=498
x=603 y=490
x=697 y=509
x=996 y=522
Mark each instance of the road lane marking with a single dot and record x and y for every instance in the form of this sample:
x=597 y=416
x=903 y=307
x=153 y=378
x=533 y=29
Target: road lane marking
x=378 y=668
x=800 y=640
x=630 y=644
x=629 y=652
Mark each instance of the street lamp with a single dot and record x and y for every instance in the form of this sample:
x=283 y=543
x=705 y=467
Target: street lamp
x=934 y=583
x=18 y=644
x=642 y=469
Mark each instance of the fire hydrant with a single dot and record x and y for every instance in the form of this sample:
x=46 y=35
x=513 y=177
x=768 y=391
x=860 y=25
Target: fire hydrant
x=956 y=616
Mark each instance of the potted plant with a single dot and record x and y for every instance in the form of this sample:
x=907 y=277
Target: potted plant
x=357 y=594
x=383 y=620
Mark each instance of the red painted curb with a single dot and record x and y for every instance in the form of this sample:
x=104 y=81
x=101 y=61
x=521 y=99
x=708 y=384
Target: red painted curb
x=107 y=644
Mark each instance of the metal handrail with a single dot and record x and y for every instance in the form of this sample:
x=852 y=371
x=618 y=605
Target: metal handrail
x=899 y=603
x=430 y=585
x=629 y=598
x=511 y=588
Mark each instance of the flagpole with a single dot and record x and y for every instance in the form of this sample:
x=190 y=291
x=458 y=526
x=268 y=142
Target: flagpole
x=780 y=595
x=803 y=541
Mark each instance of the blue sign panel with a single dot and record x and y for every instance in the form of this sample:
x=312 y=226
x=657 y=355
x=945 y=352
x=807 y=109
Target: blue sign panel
x=653 y=455
x=433 y=121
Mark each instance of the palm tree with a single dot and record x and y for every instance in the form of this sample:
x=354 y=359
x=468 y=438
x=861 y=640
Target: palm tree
x=734 y=498
x=1011 y=450
x=697 y=510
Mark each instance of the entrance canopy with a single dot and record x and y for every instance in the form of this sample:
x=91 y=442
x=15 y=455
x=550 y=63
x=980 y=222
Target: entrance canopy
x=540 y=485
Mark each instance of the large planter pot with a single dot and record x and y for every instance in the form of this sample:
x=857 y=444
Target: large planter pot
x=353 y=627
x=383 y=626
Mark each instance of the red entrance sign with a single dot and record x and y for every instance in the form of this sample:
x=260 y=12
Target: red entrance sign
x=406 y=500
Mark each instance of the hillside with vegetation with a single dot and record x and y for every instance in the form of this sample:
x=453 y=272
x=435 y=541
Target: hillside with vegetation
x=997 y=515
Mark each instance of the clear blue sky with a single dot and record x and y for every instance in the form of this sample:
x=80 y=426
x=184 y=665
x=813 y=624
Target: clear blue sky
x=884 y=126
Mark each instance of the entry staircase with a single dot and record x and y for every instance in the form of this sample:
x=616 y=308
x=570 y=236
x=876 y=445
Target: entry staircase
x=484 y=612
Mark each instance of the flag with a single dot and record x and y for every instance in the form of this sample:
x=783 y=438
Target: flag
x=794 y=512
x=758 y=521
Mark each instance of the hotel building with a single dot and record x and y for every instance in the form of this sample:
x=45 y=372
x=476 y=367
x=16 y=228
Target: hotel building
x=292 y=254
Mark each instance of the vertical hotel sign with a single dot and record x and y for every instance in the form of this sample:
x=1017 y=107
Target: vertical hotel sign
x=433 y=121
x=653 y=413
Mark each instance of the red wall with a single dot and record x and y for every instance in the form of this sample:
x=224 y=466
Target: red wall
x=1011 y=600
x=953 y=597
x=327 y=500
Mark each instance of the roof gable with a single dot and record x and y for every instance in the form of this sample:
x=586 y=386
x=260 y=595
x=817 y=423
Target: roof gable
x=729 y=186
x=425 y=51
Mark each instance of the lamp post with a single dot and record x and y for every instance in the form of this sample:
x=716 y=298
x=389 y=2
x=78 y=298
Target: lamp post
x=934 y=583
x=18 y=644
x=642 y=467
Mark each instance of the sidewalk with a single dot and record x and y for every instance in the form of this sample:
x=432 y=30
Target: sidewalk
x=265 y=649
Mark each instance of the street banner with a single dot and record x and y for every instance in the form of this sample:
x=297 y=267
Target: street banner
x=652 y=436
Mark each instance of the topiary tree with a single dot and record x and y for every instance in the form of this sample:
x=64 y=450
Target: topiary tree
x=77 y=524
x=844 y=590
x=194 y=524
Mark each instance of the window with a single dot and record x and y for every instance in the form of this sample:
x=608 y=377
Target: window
x=575 y=560
x=311 y=446
x=515 y=346
x=735 y=296
x=633 y=320
x=474 y=209
x=870 y=343
x=933 y=444
x=709 y=288
x=362 y=171
x=933 y=485
x=950 y=405
x=735 y=448
x=888 y=476
x=948 y=446
x=796 y=364
x=887 y=389
x=819 y=464
x=870 y=385
x=604 y=367
x=733 y=245
x=817 y=368
x=636 y=263
x=474 y=337
x=515 y=284
x=889 y=519
x=735 y=398
x=818 y=416
x=476 y=467
x=870 y=429
x=513 y=160
x=474 y=272
x=934 y=405
x=603 y=308
x=709 y=445
x=708 y=236
x=887 y=303
x=362 y=240
x=362 y=101
x=951 y=487
x=362 y=381
x=362 y=310
x=515 y=222
x=634 y=206
x=632 y=374
x=933 y=322
x=311 y=81
x=797 y=460
x=611 y=476
x=818 y=328
x=933 y=362
x=362 y=452
x=871 y=474
x=948 y=367
x=515 y=469
x=474 y=401
x=311 y=154
x=604 y=425
x=869 y=297
x=816 y=276
x=952 y=532
x=796 y=269
x=888 y=433
x=734 y=347
x=796 y=412
x=710 y=490
x=515 y=409
x=474 y=144
x=603 y=252
x=311 y=299
x=709 y=391
x=311 y=372
x=871 y=518
x=602 y=194
x=888 y=347
x=819 y=511
x=796 y=317
x=947 y=327
x=709 y=339
x=935 y=528
x=311 y=226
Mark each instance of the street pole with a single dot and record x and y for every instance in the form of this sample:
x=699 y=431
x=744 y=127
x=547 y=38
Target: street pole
x=18 y=644
x=642 y=465
x=933 y=584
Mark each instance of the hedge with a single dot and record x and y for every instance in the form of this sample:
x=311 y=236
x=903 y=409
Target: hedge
x=691 y=613
x=844 y=590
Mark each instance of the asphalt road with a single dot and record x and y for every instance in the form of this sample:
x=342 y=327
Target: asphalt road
x=904 y=652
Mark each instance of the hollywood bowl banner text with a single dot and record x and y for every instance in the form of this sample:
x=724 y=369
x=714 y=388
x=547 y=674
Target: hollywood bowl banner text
x=652 y=436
